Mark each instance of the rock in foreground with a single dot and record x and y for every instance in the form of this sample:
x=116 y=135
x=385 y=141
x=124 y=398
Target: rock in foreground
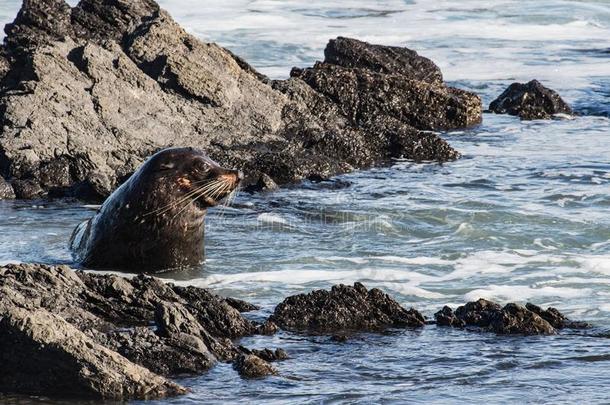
x=87 y=93
x=85 y=335
x=510 y=319
x=530 y=101
x=44 y=355
x=344 y=308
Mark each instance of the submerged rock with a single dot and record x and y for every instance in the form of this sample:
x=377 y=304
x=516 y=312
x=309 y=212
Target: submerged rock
x=252 y=366
x=266 y=354
x=106 y=336
x=510 y=319
x=530 y=101
x=344 y=308
x=88 y=92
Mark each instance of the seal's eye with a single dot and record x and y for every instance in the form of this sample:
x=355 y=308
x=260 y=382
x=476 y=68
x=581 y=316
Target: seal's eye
x=201 y=166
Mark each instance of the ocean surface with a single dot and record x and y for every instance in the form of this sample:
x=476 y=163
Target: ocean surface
x=523 y=216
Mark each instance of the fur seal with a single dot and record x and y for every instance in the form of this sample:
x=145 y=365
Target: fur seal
x=155 y=220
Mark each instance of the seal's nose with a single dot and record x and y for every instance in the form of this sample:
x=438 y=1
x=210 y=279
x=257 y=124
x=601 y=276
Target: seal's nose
x=232 y=176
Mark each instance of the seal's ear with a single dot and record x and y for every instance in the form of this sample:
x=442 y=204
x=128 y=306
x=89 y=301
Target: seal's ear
x=167 y=166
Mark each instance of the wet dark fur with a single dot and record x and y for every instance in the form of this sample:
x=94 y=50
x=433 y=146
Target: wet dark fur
x=151 y=223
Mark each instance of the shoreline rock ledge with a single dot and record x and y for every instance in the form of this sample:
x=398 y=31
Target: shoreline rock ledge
x=70 y=334
x=88 y=92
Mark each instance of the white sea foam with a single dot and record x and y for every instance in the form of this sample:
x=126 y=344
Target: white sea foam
x=524 y=293
x=270 y=218
x=5 y=262
x=407 y=279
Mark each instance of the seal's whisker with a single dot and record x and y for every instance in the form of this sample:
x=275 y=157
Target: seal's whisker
x=200 y=192
x=184 y=198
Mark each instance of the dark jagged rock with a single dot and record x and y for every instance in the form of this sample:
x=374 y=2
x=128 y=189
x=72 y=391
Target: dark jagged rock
x=530 y=101
x=510 y=319
x=344 y=308
x=516 y=319
x=556 y=318
x=38 y=22
x=266 y=354
x=351 y=53
x=267 y=328
x=131 y=331
x=87 y=93
x=241 y=305
x=446 y=317
x=215 y=314
x=363 y=95
x=252 y=366
x=477 y=313
x=263 y=183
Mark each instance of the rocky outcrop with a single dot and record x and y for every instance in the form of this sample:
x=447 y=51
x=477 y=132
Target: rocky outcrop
x=45 y=355
x=510 y=319
x=351 y=53
x=71 y=334
x=344 y=308
x=87 y=93
x=88 y=335
x=530 y=101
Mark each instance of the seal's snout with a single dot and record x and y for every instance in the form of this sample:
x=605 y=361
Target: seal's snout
x=232 y=177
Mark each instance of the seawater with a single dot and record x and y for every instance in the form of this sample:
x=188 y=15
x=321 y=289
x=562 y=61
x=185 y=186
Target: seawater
x=523 y=216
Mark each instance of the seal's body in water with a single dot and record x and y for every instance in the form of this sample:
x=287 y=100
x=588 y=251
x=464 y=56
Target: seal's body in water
x=155 y=220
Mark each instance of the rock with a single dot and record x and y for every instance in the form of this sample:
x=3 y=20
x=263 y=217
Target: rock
x=267 y=328
x=446 y=317
x=363 y=95
x=262 y=183
x=48 y=356
x=27 y=189
x=510 y=319
x=169 y=357
x=516 y=319
x=351 y=53
x=6 y=190
x=266 y=354
x=90 y=91
x=241 y=305
x=344 y=308
x=477 y=313
x=214 y=313
x=252 y=366
x=530 y=101
x=339 y=338
x=556 y=318
x=129 y=328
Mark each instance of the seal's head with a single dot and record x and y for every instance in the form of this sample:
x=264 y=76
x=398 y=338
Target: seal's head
x=155 y=220
x=187 y=177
